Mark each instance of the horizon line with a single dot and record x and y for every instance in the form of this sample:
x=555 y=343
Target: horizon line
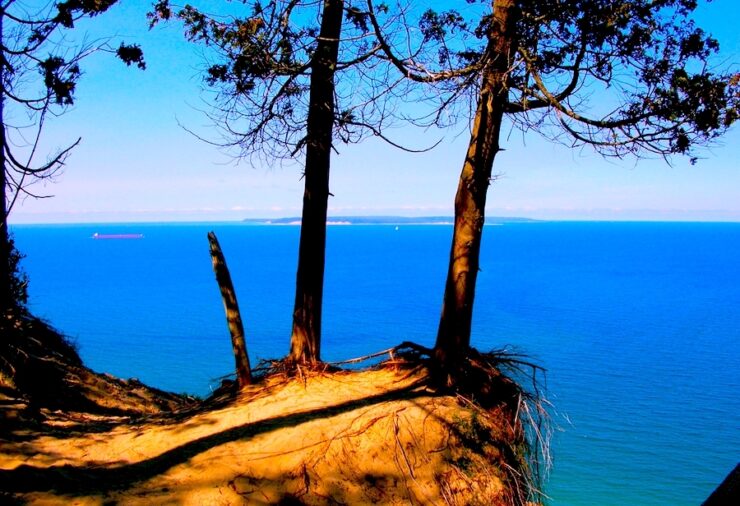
x=265 y=221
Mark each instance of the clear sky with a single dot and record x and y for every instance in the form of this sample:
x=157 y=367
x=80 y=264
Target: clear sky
x=136 y=163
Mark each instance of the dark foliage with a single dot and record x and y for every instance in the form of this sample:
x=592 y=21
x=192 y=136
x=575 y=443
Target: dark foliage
x=624 y=77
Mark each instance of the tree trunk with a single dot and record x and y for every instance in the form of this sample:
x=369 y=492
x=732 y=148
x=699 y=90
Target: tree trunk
x=233 y=316
x=6 y=296
x=305 y=339
x=453 y=336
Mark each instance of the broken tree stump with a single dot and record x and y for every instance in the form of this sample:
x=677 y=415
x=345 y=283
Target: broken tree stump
x=233 y=316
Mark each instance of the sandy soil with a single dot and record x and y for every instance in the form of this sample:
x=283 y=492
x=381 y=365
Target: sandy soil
x=69 y=435
x=376 y=436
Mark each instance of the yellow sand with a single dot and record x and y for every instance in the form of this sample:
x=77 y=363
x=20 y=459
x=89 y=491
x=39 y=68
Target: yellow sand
x=365 y=437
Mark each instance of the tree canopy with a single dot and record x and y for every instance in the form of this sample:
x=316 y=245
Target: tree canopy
x=625 y=77
x=259 y=66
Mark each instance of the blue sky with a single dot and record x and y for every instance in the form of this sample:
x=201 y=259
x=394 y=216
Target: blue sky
x=136 y=163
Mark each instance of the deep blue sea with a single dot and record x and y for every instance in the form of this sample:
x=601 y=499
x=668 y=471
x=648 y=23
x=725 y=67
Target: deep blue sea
x=638 y=325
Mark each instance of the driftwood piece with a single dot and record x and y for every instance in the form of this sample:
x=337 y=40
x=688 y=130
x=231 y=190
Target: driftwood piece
x=233 y=316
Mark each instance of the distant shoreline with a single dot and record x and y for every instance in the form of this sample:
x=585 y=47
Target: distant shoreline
x=355 y=220
x=383 y=220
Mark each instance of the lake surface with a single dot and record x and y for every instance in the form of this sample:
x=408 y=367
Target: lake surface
x=638 y=325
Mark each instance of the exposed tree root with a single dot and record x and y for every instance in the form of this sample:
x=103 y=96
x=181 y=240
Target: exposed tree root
x=497 y=385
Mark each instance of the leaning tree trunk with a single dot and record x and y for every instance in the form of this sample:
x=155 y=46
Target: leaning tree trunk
x=453 y=336
x=233 y=315
x=305 y=339
x=6 y=296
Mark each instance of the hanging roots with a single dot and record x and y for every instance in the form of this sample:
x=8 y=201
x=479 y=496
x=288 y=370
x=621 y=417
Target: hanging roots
x=496 y=385
x=512 y=386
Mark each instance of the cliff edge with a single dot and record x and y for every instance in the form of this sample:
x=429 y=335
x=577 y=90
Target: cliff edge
x=376 y=436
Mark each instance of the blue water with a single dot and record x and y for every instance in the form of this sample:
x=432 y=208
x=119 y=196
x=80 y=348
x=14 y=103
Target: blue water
x=638 y=325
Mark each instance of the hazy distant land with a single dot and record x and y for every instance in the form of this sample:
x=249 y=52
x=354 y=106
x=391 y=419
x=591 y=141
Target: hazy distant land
x=383 y=220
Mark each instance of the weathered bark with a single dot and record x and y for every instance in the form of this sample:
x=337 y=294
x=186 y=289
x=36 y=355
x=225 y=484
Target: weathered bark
x=233 y=316
x=305 y=339
x=6 y=296
x=453 y=336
